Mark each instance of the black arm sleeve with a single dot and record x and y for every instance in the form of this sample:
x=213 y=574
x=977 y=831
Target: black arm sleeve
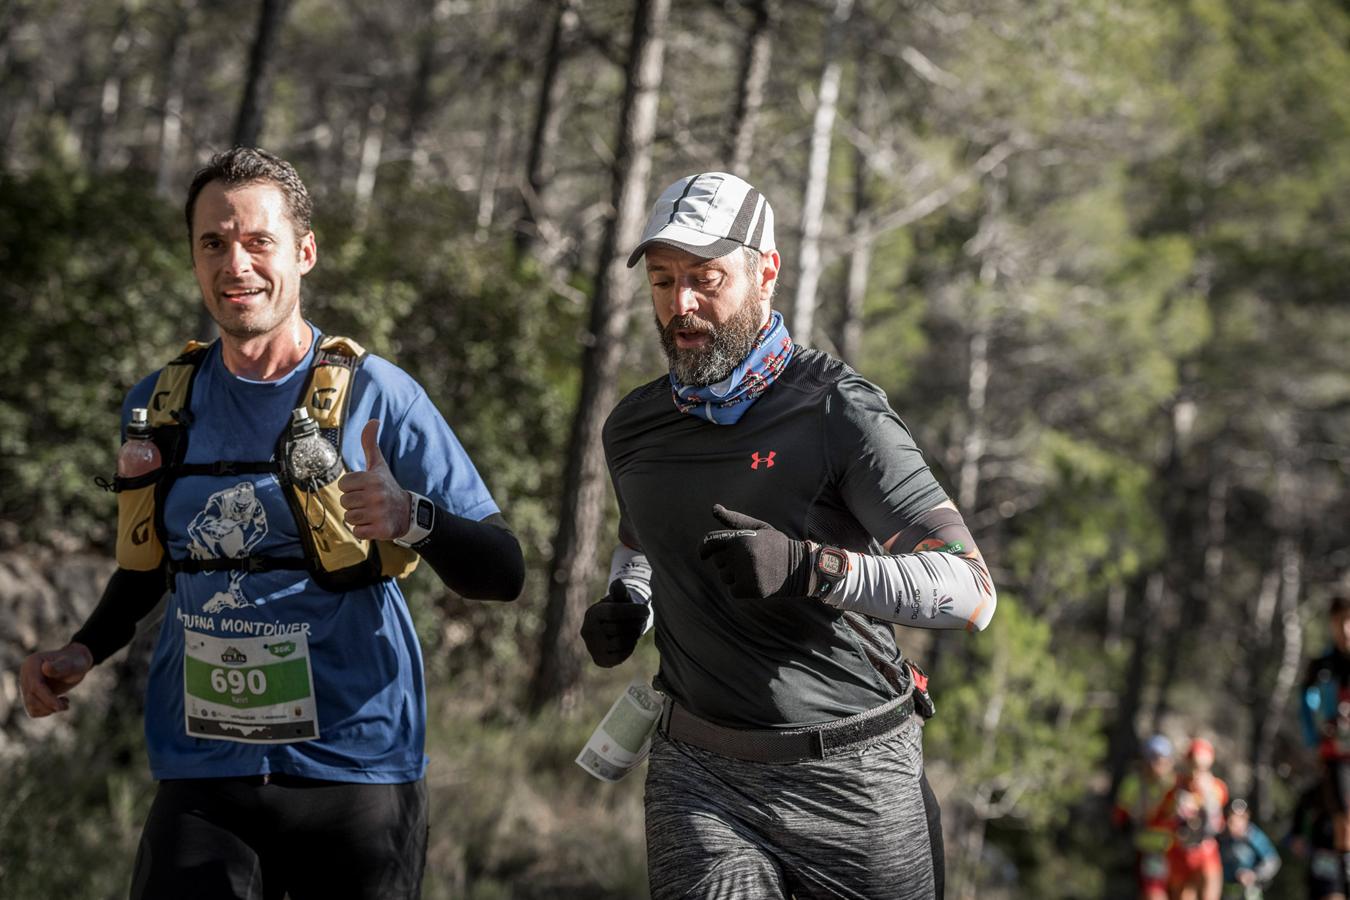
x=478 y=560
x=126 y=600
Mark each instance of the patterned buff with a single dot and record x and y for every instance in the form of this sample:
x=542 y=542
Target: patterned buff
x=725 y=402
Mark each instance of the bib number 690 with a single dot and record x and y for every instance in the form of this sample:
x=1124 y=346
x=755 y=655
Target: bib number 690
x=236 y=681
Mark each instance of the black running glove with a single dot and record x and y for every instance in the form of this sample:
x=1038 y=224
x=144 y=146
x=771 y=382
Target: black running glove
x=611 y=627
x=755 y=560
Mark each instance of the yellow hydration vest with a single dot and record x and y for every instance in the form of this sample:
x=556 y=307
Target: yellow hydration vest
x=336 y=559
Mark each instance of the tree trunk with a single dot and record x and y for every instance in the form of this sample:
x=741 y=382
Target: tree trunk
x=372 y=148
x=538 y=170
x=1291 y=655
x=499 y=137
x=817 y=174
x=248 y=125
x=105 y=117
x=1181 y=562
x=860 y=255
x=173 y=77
x=576 y=544
x=411 y=158
x=750 y=96
x=1148 y=592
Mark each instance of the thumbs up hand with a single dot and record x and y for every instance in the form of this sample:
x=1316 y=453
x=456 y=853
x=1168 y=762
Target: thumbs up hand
x=377 y=508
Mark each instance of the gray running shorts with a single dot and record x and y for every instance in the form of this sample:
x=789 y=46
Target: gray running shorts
x=855 y=825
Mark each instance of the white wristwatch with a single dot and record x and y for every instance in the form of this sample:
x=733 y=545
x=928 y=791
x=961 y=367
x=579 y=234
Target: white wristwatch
x=422 y=518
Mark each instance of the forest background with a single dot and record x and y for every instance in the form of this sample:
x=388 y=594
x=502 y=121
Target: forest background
x=1094 y=251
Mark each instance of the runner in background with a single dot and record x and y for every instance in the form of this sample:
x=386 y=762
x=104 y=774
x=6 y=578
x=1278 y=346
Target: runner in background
x=1140 y=794
x=1194 y=812
x=1250 y=860
x=1325 y=717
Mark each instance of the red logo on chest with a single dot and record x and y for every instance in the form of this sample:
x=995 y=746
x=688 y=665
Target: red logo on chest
x=756 y=459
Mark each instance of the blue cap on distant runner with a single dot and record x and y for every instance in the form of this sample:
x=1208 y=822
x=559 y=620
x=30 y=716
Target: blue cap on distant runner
x=1157 y=747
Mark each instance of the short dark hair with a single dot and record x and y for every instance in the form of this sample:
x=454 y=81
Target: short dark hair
x=1339 y=606
x=249 y=165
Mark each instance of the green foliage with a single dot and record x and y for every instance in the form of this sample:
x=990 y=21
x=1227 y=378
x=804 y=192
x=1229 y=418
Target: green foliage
x=72 y=815
x=1094 y=527
x=1015 y=741
x=97 y=293
x=1015 y=726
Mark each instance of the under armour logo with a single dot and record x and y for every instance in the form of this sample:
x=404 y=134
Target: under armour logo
x=756 y=459
x=322 y=399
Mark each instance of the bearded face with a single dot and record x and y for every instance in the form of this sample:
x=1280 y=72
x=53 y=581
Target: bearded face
x=727 y=346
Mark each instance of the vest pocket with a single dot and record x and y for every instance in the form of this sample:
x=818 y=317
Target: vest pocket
x=321 y=513
x=138 y=546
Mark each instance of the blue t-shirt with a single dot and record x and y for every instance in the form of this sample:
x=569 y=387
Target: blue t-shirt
x=364 y=655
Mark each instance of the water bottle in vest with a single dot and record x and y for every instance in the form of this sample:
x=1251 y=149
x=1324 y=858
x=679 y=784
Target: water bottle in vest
x=310 y=460
x=139 y=455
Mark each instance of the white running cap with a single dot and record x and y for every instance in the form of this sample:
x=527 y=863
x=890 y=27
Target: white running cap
x=708 y=215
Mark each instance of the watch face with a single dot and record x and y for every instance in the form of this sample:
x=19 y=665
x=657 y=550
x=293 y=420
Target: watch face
x=424 y=512
x=832 y=563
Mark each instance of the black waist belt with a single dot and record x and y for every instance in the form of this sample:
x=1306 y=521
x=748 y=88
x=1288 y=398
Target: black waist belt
x=786 y=745
x=250 y=564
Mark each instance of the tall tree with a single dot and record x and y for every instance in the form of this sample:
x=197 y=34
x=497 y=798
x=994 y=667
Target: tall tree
x=547 y=115
x=248 y=124
x=817 y=175
x=754 y=75
x=173 y=75
x=576 y=545
x=860 y=254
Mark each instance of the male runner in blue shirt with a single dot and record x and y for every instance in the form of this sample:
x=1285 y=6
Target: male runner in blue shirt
x=286 y=710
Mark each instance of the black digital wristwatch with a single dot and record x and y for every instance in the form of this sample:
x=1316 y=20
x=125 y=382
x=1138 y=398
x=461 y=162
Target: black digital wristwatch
x=831 y=567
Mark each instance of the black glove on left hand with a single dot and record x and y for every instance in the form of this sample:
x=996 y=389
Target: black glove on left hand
x=756 y=561
x=611 y=628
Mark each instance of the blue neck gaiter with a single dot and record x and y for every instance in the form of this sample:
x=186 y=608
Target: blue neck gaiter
x=726 y=401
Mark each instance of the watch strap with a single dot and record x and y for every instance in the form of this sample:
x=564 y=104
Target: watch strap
x=422 y=516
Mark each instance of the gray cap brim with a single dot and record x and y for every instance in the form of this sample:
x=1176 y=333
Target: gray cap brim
x=720 y=247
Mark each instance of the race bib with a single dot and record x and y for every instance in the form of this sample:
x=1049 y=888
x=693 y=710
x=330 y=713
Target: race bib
x=257 y=690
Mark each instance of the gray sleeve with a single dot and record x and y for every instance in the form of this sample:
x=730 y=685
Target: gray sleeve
x=881 y=474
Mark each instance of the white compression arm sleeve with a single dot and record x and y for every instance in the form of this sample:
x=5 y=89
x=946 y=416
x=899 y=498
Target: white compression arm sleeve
x=929 y=589
x=631 y=567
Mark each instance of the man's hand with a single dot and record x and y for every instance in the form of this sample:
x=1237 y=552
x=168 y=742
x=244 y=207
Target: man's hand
x=755 y=560
x=612 y=626
x=46 y=675
x=377 y=508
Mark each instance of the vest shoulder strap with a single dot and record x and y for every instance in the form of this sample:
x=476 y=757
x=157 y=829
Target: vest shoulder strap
x=337 y=345
x=173 y=388
x=328 y=391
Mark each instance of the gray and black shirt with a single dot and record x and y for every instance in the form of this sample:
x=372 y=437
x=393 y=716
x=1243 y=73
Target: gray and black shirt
x=820 y=456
